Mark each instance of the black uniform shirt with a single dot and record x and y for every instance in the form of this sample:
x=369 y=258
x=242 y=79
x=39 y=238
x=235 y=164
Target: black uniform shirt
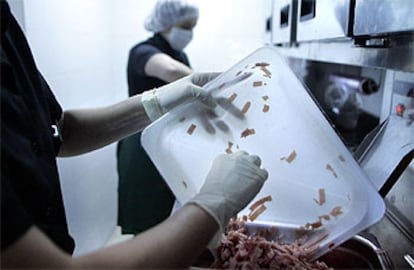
x=30 y=188
x=139 y=55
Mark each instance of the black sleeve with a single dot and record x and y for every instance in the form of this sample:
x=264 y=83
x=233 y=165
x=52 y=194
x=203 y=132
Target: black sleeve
x=139 y=56
x=14 y=219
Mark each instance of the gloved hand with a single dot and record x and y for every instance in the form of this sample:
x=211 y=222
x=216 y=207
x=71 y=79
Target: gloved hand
x=233 y=181
x=158 y=101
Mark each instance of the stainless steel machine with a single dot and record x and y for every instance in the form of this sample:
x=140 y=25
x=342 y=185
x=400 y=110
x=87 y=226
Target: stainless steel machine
x=356 y=58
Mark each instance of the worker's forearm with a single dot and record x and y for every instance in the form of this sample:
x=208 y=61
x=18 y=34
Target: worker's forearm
x=175 y=243
x=176 y=71
x=165 y=68
x=89 y=129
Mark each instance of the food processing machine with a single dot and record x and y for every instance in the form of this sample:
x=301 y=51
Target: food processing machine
x=356 y=58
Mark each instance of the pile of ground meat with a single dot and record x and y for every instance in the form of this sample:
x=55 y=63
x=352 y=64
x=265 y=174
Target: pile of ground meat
x=241 y=251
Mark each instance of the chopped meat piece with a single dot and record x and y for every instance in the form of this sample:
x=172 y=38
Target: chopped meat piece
x=246 y=107
x=259 y=202
x=266 y=72
x=266 y=108
x=257 y=83
x=290 y=158
x=256 y=213
x=314 y=225
x=322 y=197
x=336 y=211
x=191 y=129
x=262 y=64
x=265 y=98
x=232 y=97
x=330 y=168
x=248 y=132
x=228 y=149
x=325 y=217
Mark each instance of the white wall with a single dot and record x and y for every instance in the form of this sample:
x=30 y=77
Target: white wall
x=81 y=46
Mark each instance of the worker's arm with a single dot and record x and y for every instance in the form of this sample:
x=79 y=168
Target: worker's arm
x=85 y=130
x=89 y=129
x=175 y=243
x=233 y=181
x=164 y=67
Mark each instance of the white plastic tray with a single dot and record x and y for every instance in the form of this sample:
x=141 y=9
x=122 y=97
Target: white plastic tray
x=293 y=122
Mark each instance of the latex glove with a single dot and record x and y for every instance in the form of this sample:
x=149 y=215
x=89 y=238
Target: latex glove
x=233 y=181
x=158 y=101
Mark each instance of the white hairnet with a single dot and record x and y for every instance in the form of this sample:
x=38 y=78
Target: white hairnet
x=168 y=12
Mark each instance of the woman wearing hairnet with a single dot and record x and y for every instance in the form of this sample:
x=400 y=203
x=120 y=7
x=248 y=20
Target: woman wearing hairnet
x=144 y=198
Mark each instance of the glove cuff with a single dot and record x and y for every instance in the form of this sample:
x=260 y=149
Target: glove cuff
x=151 y=105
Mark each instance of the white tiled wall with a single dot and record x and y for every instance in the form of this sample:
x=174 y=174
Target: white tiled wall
x=81 y=47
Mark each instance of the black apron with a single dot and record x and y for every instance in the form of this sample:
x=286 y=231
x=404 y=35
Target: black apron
x=144 y=199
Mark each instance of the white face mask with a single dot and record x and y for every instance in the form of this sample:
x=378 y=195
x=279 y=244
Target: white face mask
x=179 y=38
